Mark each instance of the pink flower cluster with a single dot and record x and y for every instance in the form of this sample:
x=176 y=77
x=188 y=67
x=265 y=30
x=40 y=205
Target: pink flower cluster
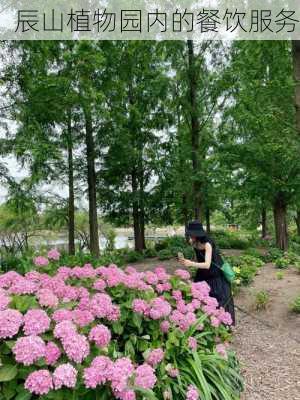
x=118 y=374
x=155 y=357
x=36 y=322
x=76 y=316
x=10 y=323
x=54 y=255
x=192 y=393
x=41 y=382
x=41 y=261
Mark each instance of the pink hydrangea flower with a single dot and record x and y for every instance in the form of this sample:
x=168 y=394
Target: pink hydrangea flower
x=76 y=347
x=192 y=342
x=215 y=322
x=4 y=300
x=192 y=393
x=101 y=335
x=101 y=305
x=65 y=375
x=10 y=323
x=140 y=306
x=39 y=382
x=114 y=313
x=151 y=278
x=62 y=315
x=52 y=353
x=47 y=298
x=23 y=286
x=8 y=278
x=184 y=321
x=221 y=349
x=160 y=308
x=82 y=317
x=64 y=329
x=183 y=274
x=53 y=254
x=36 y=322
x=98 y=373
x=127 y=394
x=172 y=372
x=145 y=377
x=41 y=261
x=99 y=284
x=163 y=287
x=155 y=357
x=120 y=373
x=177 y=295
x=29 y=349
x=165 y=326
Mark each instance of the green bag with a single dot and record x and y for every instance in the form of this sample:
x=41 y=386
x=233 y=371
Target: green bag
x=228 y=271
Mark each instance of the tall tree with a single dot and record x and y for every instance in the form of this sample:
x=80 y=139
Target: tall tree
x=261 y=136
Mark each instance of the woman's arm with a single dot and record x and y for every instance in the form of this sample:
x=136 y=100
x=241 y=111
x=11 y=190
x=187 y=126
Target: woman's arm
x=202 y=265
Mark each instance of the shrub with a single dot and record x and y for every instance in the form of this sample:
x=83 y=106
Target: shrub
x=279 y=275
x=254 y=253
x=250 y=260
x=150 y=252
x=292 y=257
x=133 y=256
x=273 y=254
x=295 y=306
x=120 y=333
x=282 y=263
x=165 y=254
x=246 y=268
x=230 y=240
x=262 y=298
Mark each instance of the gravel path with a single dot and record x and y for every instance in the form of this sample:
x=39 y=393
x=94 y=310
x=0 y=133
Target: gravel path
x=270 y=361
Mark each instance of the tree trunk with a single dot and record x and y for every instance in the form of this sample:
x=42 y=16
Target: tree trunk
x=138 y=226
x=264 y=230
x=280 y=212
x=71 y=201
x=91 y=177
x=297 y=220
x=207 y=217
x=296 y=61
x=195 y=130
x=185 y=210
x=142 y=206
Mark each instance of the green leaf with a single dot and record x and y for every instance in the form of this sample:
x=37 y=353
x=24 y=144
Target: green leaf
x=8 y=373
x=23 y=395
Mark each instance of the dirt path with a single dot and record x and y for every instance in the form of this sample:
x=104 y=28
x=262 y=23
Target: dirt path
x=267 y=342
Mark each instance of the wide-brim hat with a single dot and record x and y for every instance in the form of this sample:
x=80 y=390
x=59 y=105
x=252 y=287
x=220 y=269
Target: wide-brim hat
x=195 y=228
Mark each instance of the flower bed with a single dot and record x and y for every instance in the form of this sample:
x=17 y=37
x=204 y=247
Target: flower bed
x=110 y=333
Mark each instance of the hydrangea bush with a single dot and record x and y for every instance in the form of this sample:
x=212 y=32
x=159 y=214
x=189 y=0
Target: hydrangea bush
x=105 y=333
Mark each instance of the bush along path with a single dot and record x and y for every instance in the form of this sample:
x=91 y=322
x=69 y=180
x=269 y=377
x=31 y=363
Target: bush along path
x=105 y=333
x=267 y=336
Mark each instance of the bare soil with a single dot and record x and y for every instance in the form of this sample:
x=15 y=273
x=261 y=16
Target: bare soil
x=267 y=342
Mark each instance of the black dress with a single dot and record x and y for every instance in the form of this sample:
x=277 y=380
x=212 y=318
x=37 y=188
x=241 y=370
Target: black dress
x=220 y=287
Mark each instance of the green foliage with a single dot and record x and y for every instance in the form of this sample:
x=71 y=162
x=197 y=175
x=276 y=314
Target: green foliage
x=200 y=371
x=245 y=268
x=279 y=275
x=230 y=240
x=262 y=299
x=165 y=254
x=282 y=263
x=216 y=375
x=254 y=253
x=272 y=255
x=295 y=306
